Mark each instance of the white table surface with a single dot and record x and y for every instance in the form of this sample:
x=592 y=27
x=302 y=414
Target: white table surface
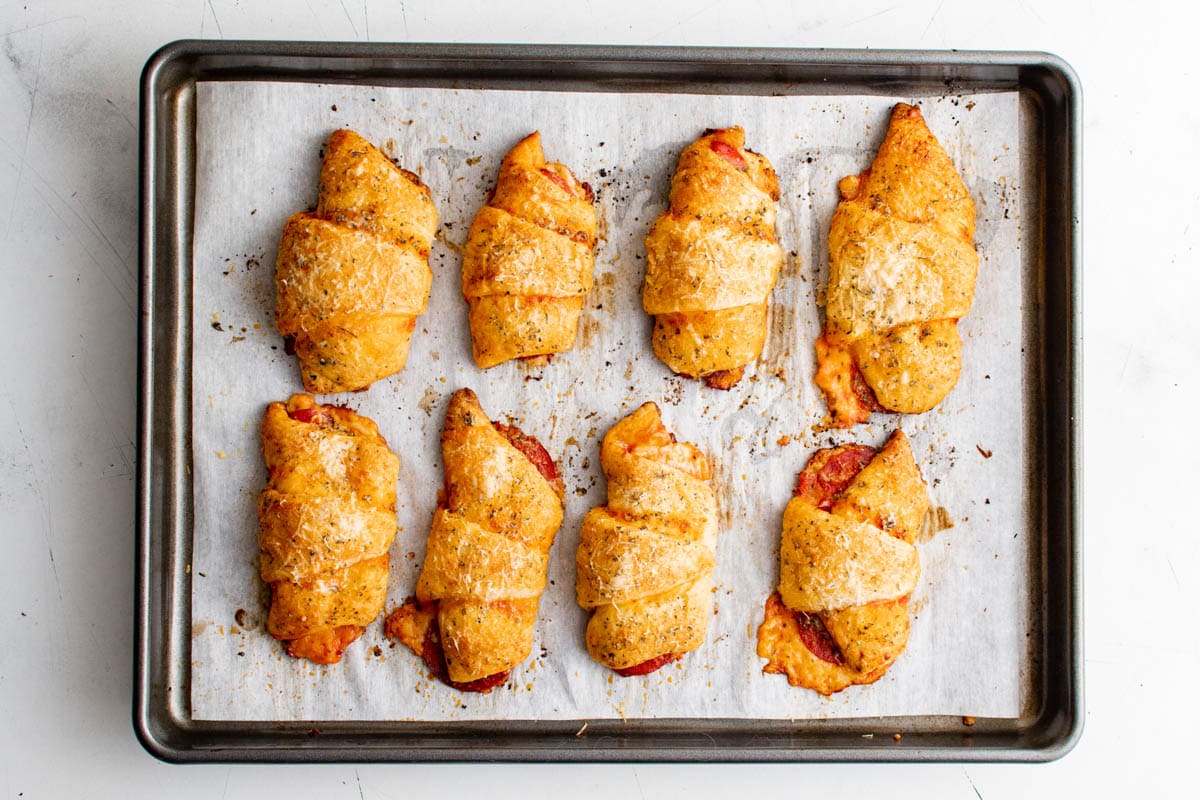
x=68 y=294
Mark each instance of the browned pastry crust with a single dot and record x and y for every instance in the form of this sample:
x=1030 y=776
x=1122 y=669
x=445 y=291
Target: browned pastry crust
x=352 y=277
x=712 y=259
x=326 y=520
x=847 y=566
x=528 y=259
x=902 y=268
x=645 y=560
x=488 y=550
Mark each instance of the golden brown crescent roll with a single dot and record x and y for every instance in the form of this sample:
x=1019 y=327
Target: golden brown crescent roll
x=846 y=567
x=712 y=260
x=488 y=550
x=352 y=277
x=902 y=267
x=645 y=561
x=528 y=259
x=326 y=520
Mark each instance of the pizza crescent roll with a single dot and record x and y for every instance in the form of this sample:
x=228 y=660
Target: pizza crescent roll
x=352 y=277
x=326 y=520
x=485 y=563
x=847 y=567
x=902 y=268
x=712 y=259
x=645 y=560
x=528 y=259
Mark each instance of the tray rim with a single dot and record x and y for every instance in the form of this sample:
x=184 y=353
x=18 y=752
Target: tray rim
x=1050 y=733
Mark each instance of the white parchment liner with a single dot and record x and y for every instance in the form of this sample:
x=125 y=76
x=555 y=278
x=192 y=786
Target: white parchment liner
x=259 y=148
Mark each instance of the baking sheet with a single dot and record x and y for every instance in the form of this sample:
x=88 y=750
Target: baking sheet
x=258 y=147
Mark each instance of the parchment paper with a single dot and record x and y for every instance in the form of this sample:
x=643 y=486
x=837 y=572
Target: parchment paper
x=259 y=148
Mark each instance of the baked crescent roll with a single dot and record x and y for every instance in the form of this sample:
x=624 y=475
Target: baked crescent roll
x=645 y=561
x=488 y=550
x=528 y=259
x=902 y=267
x=847 y=565
x=352 y=277
x=326 y=520
x=712 y=260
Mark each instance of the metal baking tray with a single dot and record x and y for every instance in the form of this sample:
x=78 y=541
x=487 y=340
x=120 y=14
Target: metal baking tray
x=1051 y=720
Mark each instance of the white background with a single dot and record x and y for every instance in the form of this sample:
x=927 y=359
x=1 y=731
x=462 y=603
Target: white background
x=68 y=298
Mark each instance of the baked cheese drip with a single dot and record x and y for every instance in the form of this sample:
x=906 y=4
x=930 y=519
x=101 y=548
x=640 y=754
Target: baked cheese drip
x=326 y=520
x=847 y=567
x=487 y=554
x=712 y=259
x=528 y=259
x=902 y=268
x=645 y=561
x=352 y=277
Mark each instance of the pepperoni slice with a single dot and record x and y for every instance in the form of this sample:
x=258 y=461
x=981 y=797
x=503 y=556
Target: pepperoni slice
x=863 y=391
x=532 y=449
x=724 y=379
x=829 y=472
x=817 y=639
x=434 y=657
x=558 y=179
x=729 y=153
x=317 y=415
x=849 y=396
x=646 y=667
